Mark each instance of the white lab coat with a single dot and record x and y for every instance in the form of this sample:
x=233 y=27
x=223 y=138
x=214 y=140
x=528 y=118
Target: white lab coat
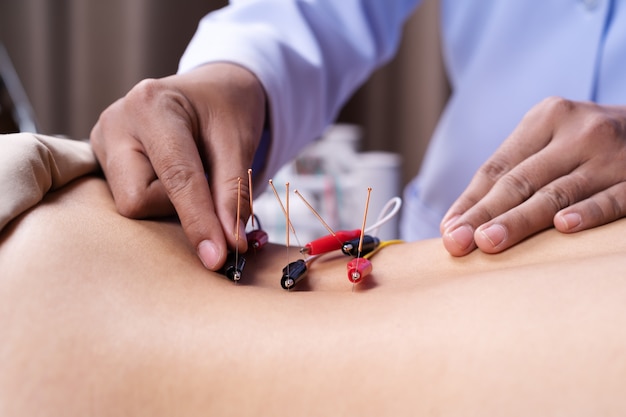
x=502 y=58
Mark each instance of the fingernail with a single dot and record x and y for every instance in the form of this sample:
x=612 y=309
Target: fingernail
x=463 y=236
x=495 y=234
x=571 y=220
x=208 y=254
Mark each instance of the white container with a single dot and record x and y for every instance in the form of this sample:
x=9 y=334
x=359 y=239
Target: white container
x=381 y=171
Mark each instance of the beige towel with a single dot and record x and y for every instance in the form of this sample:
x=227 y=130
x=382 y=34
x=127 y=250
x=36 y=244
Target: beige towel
x=33 y=164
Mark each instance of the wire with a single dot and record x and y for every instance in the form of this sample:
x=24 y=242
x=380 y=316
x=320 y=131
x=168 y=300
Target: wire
x=258 y=222
x=382 y=244
x=389 y=210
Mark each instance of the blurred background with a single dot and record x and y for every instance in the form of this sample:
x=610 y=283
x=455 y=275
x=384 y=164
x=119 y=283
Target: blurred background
x=75 y=57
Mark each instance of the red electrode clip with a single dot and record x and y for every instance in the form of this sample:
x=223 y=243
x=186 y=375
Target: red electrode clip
x=257 y=238
x=330 y=243
x=358 y=268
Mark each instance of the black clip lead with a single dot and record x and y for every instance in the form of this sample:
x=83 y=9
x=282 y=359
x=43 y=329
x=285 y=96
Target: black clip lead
x=351 y=247
x=293 y=273
x=233 y=268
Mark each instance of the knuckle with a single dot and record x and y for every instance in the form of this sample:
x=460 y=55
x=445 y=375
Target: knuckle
x=556 y=197
x=615 y=206
x=564 y=195
x=558 y=106
x=604 y=207
x=517 y=184
x=130 y=199
x=177 y=178
x=146 y=90
x=154 y=100
x=131 y=204
x=233 y=193
x=550 y=109
x=494 y=169
x=601 y=126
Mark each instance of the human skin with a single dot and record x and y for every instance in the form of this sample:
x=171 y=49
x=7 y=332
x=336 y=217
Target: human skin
x=160 y=143
x=103 y=315
x=562 y=166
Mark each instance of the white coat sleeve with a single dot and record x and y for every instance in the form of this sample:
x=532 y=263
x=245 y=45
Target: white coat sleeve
x=310 y=56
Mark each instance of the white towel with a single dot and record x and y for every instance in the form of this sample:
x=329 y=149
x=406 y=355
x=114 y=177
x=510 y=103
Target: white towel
x=33 y=164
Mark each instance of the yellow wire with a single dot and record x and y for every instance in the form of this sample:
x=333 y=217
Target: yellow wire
x=382 y=245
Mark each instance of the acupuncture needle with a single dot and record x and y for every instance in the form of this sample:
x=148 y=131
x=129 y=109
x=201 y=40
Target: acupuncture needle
x=330 y=230
x=250 y=196
x=237 y=273
x=280 y=202
x=287 y=222
x=367 y=203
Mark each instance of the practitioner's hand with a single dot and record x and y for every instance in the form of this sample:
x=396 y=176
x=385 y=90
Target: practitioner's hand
x=564 y=165
x=179 y=144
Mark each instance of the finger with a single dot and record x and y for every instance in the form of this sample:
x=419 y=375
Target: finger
x=535 y=214
x=228 y=179
x=181 y=174
x=601 y=208
x=131 y=178
x=459 y=239
x=229 y=141
x=535 y=131
x=177 y=164
x=170 y=146
x=188 y=190
x=137 y=191
x=515 y=149
x=512 y=193
x=229 y=189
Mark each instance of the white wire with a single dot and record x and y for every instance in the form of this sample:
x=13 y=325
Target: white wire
x=390 y=209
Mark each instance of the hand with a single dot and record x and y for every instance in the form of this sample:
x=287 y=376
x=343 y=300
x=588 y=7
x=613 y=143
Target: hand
x=564 y=165
x=179 y=144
